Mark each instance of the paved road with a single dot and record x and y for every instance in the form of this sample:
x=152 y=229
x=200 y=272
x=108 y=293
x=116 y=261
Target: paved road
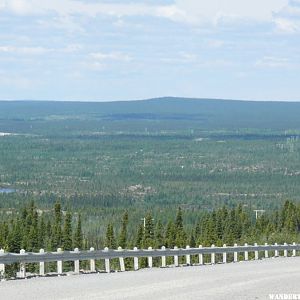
x=243 y=280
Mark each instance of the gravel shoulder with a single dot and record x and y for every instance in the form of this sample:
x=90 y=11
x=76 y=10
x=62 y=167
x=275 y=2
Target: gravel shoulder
x=243 y=280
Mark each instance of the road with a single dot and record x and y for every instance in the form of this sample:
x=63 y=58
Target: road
x=243 y=280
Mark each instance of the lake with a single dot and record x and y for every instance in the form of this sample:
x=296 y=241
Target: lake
x=6 y=190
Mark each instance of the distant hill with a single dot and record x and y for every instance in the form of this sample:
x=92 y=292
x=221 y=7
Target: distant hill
x=171 y=113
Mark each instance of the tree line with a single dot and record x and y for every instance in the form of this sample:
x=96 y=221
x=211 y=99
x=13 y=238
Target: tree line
x=33 y=229
x=220 y=226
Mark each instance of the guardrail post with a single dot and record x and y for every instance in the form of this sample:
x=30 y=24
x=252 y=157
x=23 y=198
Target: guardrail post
x=285 y=252
x=121 y=260
x=276 y=251
x=92 y=262
x=200 y=256
x=255 y=252
x=150 y=261
x=107 y=262
x=42 y=264
x=224 y=255
x=246 y=253
x=176 y=264
x=2 y=266
x=235 y=254
x=76 y=262
x=213 y=256
x=188 y=257
x=59 y=263
x=294 y=250
x=163 y=258
x=135 y=260
x=22 y=266
x=266 y=251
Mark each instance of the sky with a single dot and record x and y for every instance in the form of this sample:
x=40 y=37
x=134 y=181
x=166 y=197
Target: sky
x=90 y=50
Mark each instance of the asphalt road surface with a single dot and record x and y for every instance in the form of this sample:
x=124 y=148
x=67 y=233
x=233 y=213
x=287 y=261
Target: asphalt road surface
x=243 y=280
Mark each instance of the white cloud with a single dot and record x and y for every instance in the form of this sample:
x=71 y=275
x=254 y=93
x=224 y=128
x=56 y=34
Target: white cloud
x=113 y=56
x=24 y=50
x=273 y=62
x=287 y=26
x=288 y=19
x=17 y=6
x=188 y=11
x=195 y=60
x=172 y=12
x=291 y=10
x=181 y=58
x=216 y=10
x=215 y=43
x=38 y=50
x=100 y=61
x=182 y=10
x=69 y=7
x=72 y=48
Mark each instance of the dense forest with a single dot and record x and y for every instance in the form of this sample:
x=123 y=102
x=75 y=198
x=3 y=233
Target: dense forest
x=145 y=157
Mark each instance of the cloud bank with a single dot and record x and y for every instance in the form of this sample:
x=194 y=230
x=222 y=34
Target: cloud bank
x=113 y=49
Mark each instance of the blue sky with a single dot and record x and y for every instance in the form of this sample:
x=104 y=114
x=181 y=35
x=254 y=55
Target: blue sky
x=120 y=49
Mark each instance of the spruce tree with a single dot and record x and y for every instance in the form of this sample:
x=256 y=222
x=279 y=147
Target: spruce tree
x=78 y=237
x=42 y=233
x=110 y=241
x=48 y=228
x=14 y=237
x=67 y=232
x=123 y=234
x=198 y=230
x=139 y=236
x=4 y=231
x=192 y=242
x=179 y=220
x=33 y=236
x=148 y=232
x=159 y=236
x=180 y=239
x=57 y=230
x=170 y=235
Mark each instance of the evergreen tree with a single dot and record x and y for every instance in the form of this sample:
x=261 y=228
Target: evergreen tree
x=180 y=239
x=170 y=235
x=14 y=237
x=179 y=220
x=33 y=236
x=148 y=232
x=198 y=230
x=159 y=236
x=42 y=233
x=4 y=231
x=139 y=236
x=192 y=242
x=78 y=237
x=123 y=234
x=110 y=241
x=230 y=234
x=67 y=232
x=57 y=230
x=48 y=228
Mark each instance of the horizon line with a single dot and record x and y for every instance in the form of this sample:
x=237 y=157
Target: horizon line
x=148 y=99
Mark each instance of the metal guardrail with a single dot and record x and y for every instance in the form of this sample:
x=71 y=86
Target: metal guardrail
x=107 y=254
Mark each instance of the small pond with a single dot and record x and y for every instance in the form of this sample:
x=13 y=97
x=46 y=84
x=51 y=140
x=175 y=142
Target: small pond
x=7 y=190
